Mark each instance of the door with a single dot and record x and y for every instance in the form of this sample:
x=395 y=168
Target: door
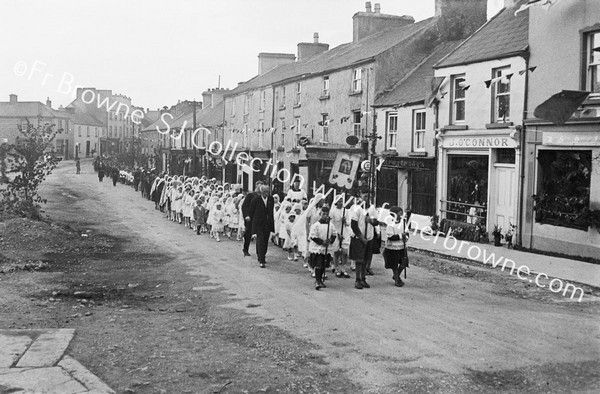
x=422 y=192
x=87 y=148
x=387 y=186
x=505 y=197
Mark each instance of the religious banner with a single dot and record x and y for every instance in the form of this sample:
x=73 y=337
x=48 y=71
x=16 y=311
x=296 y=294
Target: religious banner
x=344 y=169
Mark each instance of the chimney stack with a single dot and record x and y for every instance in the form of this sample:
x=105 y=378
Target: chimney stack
x=367 y=23
x=307 y=50
x=48 y=102
x=268 y=61
x=13 y=98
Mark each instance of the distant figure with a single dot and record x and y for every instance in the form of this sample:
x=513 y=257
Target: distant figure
x=115 y=175
x=78 y=165
x=100 y=171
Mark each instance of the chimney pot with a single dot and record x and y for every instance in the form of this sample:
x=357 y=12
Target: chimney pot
x=316 y=37
x=377 y=8
x=13 y=98
x=368 y=6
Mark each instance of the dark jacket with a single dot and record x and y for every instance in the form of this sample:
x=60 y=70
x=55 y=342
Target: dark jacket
x=262 y=216
x=247 y=202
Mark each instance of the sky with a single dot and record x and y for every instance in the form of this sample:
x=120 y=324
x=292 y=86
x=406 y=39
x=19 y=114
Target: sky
x=159 y=52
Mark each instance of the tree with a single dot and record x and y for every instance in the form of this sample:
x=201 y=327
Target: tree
x=31 y=159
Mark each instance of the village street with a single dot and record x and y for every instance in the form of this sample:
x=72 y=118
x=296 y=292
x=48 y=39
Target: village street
x=442 y=332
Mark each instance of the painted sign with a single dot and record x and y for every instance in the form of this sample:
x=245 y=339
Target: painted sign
x=413 y=163
x=590 y=138
x=479 y=142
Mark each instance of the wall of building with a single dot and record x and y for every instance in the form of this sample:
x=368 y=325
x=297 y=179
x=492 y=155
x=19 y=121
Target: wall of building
x=560 y=26
x=478 y=97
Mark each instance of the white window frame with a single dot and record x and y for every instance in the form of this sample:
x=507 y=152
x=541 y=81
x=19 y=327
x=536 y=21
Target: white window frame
x=298 y=93
x=356 y=126
x=357 y=80
x=263 y=99
x=261 y=134
x=497 y=73
x=282 y=104
x=392 y=130
x=325 y=128
x=297 y=131
x=325 y=92
x=456 y=80
x=419 y=130
x=282 y=130
x=592 y=61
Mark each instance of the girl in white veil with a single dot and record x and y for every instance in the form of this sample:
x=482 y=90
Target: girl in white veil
x=299 y=229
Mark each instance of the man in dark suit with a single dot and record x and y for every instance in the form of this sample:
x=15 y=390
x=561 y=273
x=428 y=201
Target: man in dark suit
x=263 y=223
x=248 y=218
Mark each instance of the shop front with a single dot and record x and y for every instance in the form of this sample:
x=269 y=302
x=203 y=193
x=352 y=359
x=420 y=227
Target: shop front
x=562 y=188
x=408 y=182
x=478 y=179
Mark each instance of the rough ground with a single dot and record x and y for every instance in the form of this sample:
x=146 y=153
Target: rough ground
x=158 y=309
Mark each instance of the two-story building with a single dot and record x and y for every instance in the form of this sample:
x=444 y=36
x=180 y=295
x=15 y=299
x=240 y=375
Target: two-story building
x=300 y=114
x=562 y=130
x=407 y=122
x=481 y=105
x=15 y=114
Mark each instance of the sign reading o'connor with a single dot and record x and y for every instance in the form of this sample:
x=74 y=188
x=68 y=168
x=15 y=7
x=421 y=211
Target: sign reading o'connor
x=479 y=142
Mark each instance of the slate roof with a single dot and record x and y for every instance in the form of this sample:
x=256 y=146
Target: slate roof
x=85 y=119
x=206 y=117
x=342 y=56
x=504 y=35
x=412 y=89
x=29 y=109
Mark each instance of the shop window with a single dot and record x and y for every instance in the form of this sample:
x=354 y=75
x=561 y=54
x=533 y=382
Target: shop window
x=467 y=187
x=501 y=95
x=356 y=122
x=563 y=193
x=505 y=156
x=392 y=130
x=592 y=61
x=458 y=99
x=419 y=125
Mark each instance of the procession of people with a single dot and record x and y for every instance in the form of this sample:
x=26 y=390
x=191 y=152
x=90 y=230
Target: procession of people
x=320 y=233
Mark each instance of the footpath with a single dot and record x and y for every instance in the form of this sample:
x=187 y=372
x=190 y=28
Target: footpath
x=34 y=361
x=568 y=270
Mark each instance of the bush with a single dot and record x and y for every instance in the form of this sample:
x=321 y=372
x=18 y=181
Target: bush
x=30 y=161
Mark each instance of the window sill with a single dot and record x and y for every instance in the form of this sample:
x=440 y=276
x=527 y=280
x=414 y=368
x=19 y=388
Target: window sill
x=456 y=127
x=417 y=154
x=261 y=111
x=504 y=125
x=357 y=93
x=324 y=97
x=389 y=152
x=297 y=105
x=282 y=107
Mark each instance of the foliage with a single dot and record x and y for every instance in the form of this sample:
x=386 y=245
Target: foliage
x=31 y=160
x=564 y=196
x=510 y=233
x=481 y=231
x=434 y=223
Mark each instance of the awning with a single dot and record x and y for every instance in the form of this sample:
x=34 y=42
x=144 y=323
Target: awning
x=561 y=106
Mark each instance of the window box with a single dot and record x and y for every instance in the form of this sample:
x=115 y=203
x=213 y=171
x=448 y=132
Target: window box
x=456 y=127
x=504 y=125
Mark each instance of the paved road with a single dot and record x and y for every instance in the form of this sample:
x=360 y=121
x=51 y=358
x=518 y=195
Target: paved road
x=437 y=328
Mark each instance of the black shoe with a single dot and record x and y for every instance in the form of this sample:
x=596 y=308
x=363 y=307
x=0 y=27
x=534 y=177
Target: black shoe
x=358 y=285
x=323 y=285
x=318 y=285
x=399 y=283
x=246 y=254
x=369 y=272
x=262 y=265
x=365 y=284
